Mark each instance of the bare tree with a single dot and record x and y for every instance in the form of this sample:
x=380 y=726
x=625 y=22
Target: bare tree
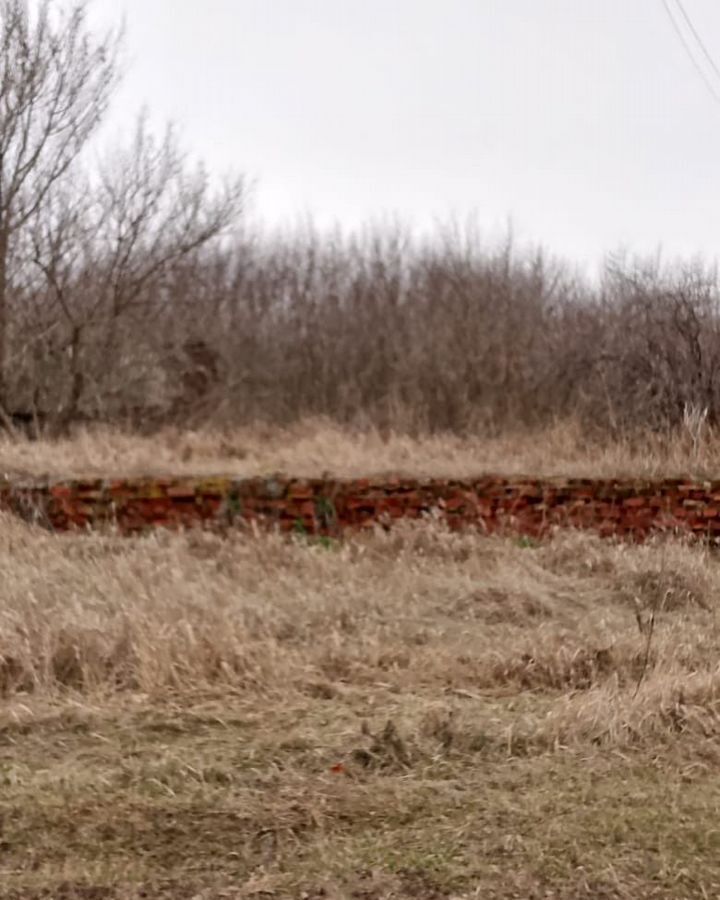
x=56 y=79
x=107 y=247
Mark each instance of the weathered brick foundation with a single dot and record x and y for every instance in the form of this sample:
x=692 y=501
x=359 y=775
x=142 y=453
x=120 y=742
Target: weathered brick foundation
x=525 y=506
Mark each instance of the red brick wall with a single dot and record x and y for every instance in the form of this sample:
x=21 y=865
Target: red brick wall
x=320 y=506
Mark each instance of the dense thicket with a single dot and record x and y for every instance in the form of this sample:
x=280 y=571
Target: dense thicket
x=130 y=290
x=381 y=329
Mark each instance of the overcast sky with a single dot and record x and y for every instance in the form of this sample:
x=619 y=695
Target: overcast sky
x=582 y=121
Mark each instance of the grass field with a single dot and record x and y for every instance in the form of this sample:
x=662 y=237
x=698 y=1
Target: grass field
x=413 y=714
x=312 y=448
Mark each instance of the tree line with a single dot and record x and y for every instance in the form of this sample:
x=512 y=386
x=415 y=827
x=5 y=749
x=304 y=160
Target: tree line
x=133 y=291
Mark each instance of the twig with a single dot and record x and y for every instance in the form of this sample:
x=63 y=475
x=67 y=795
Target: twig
x=648 y=640
x=7 y=422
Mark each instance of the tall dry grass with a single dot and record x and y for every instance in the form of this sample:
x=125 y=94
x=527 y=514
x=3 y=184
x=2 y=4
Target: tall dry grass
x=447 y=624
x=320 y=446
x=186 y=715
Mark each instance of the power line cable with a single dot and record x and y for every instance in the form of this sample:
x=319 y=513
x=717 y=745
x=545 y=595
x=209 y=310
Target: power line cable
x=701 y=44
x=688 y=49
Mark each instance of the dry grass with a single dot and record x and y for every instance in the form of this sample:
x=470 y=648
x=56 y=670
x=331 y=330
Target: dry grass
x=316 y=447
x=414 y=714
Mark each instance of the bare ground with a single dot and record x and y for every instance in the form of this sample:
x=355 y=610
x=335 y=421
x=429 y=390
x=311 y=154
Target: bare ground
x=418 y=714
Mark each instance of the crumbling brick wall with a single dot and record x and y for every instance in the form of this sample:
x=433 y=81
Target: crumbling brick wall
x=526 y=506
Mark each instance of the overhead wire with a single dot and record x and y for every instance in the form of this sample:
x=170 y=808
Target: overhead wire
x=701 y=44
x=715 y=93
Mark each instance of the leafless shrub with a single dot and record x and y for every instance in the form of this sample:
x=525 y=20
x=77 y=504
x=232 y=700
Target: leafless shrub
x=131 y=294
x=174 y=324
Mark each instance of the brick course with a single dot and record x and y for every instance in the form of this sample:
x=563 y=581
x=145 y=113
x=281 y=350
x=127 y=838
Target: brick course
x=526 y=506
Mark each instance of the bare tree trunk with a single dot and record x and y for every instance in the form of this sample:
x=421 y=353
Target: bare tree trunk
x=77 y=383
x=4 y=250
